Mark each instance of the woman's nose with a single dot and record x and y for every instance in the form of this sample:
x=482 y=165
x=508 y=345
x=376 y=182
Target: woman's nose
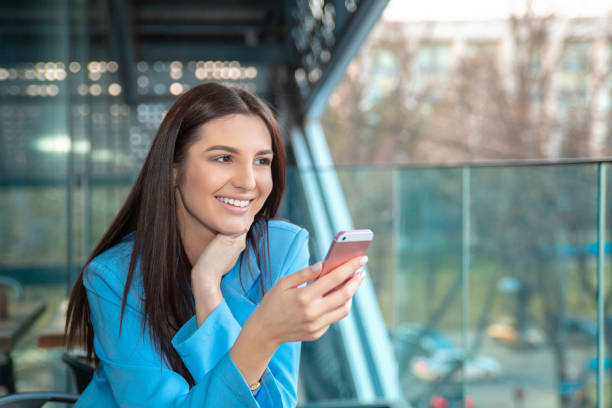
x=244 y=178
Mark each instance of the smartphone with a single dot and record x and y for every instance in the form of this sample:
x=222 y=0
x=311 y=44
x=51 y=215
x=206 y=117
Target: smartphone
x=345 y=246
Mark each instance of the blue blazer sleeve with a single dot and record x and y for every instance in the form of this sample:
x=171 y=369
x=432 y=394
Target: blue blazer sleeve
x=137 y=376
x=136 y=372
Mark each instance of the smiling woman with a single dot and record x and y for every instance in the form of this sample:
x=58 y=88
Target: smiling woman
x=225 y=179
x=195 y=295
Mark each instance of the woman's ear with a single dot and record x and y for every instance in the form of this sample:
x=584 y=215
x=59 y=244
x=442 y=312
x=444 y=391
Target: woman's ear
x=174 y=175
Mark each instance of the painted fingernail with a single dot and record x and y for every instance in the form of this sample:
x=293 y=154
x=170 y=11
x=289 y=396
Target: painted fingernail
x=316 y=267
x=360 y=274
x=363 y=260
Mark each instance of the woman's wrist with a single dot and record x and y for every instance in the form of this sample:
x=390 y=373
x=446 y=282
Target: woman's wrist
x=252 y=330
x=207 y=296
x=252 y=352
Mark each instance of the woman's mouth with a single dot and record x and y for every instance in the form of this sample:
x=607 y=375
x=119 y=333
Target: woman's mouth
x=234 y=202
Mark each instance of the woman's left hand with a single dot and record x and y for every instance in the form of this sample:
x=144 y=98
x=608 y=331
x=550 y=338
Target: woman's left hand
x=215 y=261
x=218 y=258
x=292 y=312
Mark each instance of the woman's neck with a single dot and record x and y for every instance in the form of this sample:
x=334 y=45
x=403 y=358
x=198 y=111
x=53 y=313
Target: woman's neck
x=195 y=238
x=194 y=246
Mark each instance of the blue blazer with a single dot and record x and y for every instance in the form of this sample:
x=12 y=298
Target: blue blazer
x=133 y=374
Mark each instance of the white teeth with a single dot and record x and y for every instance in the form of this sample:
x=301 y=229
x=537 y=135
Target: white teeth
x=235 y=203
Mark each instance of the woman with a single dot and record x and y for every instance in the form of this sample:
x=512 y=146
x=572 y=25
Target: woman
x=195 y=296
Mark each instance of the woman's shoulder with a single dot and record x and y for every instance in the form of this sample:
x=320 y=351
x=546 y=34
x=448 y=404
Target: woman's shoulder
x=283 y=232
x=110 y=267
x=118 y=254
x=281 y=225
x=288 y=246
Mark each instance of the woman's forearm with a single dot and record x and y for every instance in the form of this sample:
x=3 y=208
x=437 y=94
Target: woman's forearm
x=252 y=351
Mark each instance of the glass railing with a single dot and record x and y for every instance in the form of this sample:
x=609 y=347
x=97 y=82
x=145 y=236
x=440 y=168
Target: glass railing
x=486 y=276
x=487 y=279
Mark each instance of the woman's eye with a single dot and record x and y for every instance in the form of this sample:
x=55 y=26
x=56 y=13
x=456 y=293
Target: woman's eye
x=263 y=161
x=223 y=159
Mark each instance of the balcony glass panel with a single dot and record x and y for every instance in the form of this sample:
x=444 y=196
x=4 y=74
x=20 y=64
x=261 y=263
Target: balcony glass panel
x=532 y=285
x=531 y=306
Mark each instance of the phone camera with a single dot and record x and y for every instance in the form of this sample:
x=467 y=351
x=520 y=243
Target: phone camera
x=344 y=238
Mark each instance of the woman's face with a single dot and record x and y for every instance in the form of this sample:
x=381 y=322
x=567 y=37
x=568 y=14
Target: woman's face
x=226 y=176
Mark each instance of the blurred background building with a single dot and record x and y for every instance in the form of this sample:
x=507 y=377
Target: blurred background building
x=533 y=84
x=473 y=138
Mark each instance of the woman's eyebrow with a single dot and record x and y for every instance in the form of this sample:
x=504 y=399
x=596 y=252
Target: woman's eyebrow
x=235 y=151
x=221 y=147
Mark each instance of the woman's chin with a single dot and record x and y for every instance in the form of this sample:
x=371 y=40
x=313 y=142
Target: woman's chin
x=234 y=230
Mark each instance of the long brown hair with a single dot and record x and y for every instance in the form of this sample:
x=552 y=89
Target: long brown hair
x=150 y=212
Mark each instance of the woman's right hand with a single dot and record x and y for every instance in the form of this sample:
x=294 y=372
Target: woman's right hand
x=289 y=312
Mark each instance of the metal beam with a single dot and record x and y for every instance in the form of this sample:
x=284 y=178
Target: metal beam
x=353 y=36
x=122 y=46
x=601 y=318
x=381 y=363
x=291 y=55
x=356 y=359
x=204 y=12
x=260 y=54
x=192 y=30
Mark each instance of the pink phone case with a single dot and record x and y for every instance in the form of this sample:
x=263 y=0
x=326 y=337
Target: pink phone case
x=345 y=246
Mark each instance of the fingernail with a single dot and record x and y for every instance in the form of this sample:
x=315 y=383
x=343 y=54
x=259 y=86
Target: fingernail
x=363 y=260
x=316 y=267
x=360 y=274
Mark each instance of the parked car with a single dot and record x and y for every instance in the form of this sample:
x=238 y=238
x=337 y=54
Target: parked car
x=430 y=356
x=443 y=362
x=505 y=332
x=579 y=331
x=414 y=338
